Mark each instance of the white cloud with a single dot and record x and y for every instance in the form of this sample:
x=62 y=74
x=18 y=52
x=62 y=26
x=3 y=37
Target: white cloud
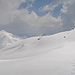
x=9 y=10
x=32 y=24
x=66 y=4
x=51 y=6
x=22 y=22
x=68 y=14
x=64 y=10
x=48 y=7
x=36 y=23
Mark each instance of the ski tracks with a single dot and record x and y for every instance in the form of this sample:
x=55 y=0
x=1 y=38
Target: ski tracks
x=73 y=68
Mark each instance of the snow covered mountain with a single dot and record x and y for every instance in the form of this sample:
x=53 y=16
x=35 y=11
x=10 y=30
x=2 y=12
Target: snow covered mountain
x=6 y=38
x=42 y=55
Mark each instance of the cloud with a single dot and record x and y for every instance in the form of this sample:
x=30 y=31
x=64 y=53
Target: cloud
x=67 y=12
x=9 y=10
x=24 y=22
x=32 y=24
x=64 y=9
x=49 y=7
x=68 y=15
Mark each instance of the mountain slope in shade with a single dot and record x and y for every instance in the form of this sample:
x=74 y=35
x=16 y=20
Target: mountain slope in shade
x=45 y=55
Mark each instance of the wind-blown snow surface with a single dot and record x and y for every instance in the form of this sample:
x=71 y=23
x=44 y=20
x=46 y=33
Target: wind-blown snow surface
x=44 y=55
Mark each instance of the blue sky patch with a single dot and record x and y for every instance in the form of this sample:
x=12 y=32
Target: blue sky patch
x=56 y=11
x=24 y=5
x=36 y=5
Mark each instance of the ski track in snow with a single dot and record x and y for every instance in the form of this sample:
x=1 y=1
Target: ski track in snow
x=73 y=68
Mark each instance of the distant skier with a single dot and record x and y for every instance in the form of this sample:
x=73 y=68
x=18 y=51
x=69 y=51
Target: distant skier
x=22 y=45
x=39 y=38
x=73 y=28
x=64 y=36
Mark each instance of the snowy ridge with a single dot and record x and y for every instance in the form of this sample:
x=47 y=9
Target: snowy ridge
x=15 y=48
x=44 y=55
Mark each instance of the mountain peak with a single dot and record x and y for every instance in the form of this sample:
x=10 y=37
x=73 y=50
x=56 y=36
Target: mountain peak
x=7 y=38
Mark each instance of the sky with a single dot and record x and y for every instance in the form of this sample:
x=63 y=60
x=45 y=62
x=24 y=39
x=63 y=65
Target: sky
x=36 y=17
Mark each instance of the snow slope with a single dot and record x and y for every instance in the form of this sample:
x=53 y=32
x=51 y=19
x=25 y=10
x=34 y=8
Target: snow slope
x=42 y=55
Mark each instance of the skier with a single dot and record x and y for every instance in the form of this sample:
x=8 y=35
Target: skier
x=64 y=36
